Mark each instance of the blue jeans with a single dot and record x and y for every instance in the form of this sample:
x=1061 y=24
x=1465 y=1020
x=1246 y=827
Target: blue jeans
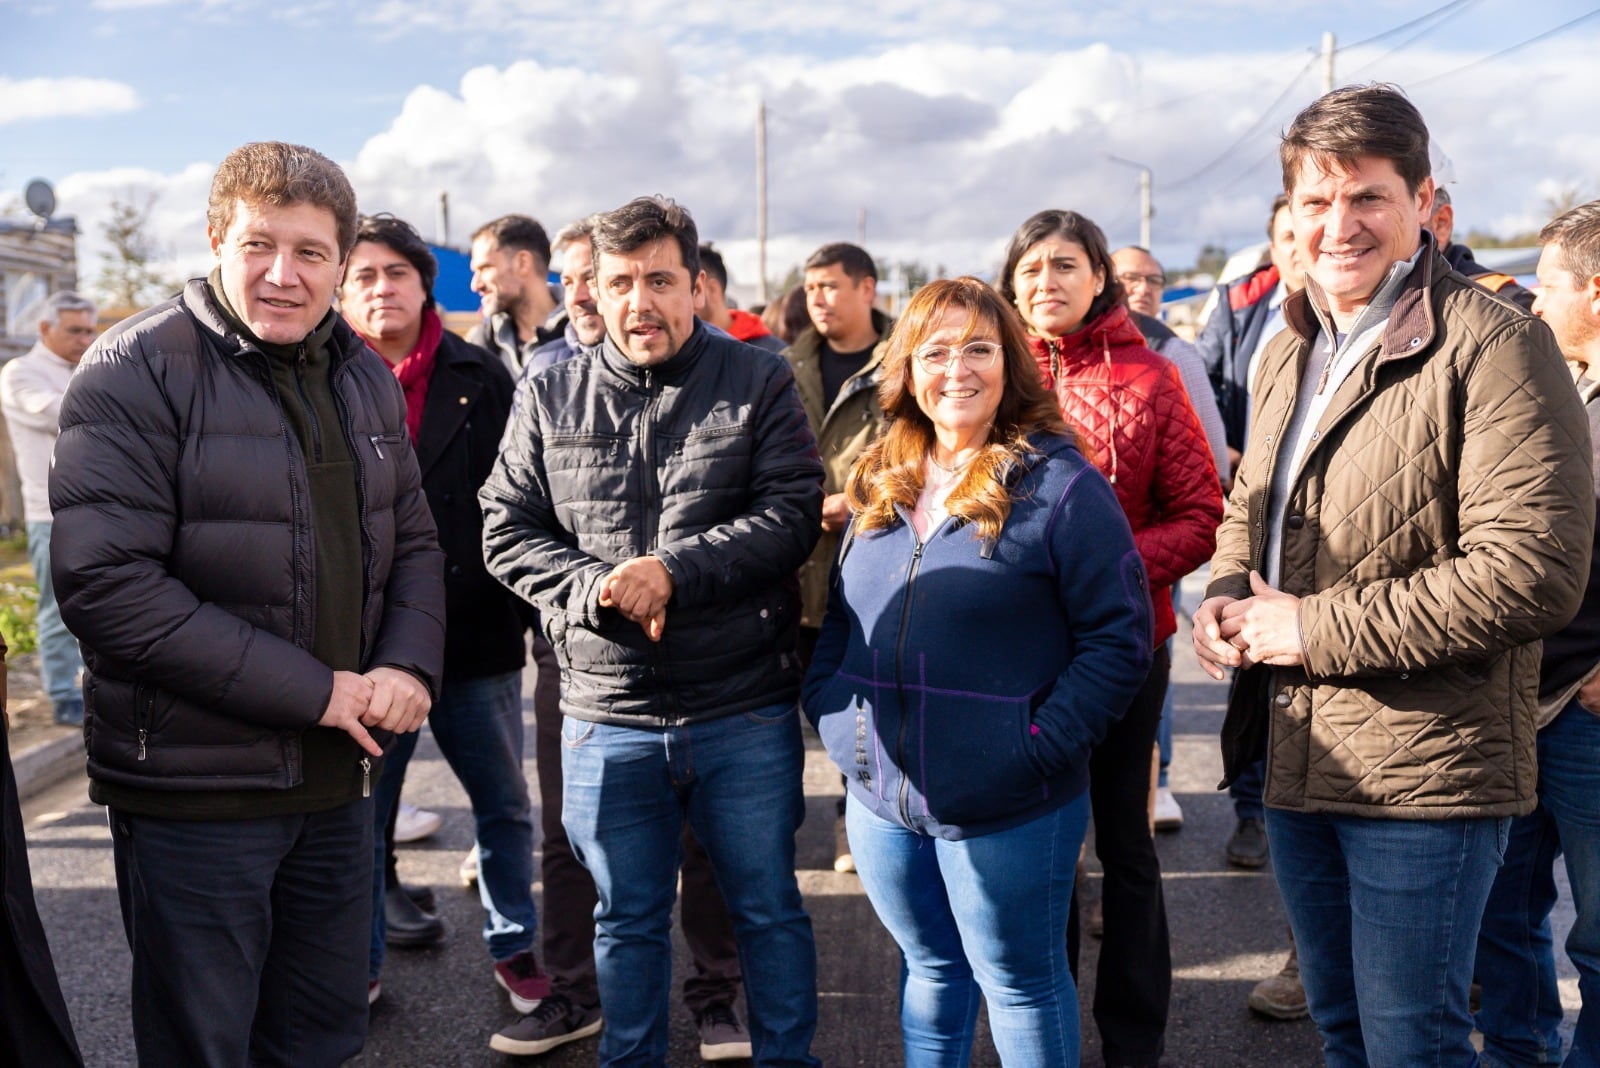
x=737 y=779
x=990 y=909
x=1385 y=915
x=59 y=658
x=1521 y=1013
x=478 y=725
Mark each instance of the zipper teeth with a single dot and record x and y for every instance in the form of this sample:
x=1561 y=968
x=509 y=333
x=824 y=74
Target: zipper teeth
x=899 y=681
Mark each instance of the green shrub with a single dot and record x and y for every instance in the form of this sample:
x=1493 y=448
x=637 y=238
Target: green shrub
x=19 y=607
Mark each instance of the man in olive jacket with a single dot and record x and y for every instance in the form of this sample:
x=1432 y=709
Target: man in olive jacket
x=1412 y=515
x=243 y=548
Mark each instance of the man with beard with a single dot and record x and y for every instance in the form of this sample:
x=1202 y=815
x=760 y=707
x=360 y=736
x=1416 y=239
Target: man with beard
x=510 y=274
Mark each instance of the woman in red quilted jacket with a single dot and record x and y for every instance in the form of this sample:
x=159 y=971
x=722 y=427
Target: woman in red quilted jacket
x=1130 y=406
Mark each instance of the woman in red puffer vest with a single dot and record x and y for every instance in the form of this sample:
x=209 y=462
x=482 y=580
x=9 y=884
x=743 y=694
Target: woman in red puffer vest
x=1141 y=431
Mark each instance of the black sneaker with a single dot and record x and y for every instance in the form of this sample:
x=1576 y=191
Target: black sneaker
x=722 y=1035
x=555 y=1022
x=1247 y=848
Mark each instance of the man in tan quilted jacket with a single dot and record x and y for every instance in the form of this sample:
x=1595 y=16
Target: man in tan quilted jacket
x=1412 y=515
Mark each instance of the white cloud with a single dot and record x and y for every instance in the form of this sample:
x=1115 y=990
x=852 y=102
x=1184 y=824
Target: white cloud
x=947 y=146
x=32 y=99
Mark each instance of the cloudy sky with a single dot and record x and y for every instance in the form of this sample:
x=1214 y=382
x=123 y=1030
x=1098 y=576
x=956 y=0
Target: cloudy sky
x=946 y=122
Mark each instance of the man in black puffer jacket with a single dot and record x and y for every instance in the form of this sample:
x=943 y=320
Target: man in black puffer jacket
x=654 y=501
x=244 y=550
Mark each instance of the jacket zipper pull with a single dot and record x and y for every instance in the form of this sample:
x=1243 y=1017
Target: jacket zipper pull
x=377 y=445
x=300 y=355
x=143 y=734
x=366 y=776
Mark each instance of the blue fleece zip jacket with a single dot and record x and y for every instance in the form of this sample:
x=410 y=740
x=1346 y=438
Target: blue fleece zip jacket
x=959 y=685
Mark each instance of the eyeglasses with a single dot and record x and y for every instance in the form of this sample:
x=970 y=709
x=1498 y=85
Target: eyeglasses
x=977 y=355
x=1154 y=281
x=80 y=331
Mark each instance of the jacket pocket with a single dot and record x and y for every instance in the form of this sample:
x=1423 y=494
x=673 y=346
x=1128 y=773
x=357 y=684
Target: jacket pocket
x=847 y=725
x=973 y=758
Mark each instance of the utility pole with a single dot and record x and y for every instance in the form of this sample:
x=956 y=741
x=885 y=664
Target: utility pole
x=1327 y=62
x=444 y=220
x=1146 y=210
x=861 y=227
x=761 y=201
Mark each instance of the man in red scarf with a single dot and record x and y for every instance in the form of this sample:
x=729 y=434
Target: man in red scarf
x=458 y=397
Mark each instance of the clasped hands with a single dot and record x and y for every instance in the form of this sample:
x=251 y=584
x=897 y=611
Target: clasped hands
x=1263 y=628
x=640 y=589
x=384 y=698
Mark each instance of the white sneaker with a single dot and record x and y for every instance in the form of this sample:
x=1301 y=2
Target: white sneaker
x=469 y=868
x=413 y=824
x=1169 y=815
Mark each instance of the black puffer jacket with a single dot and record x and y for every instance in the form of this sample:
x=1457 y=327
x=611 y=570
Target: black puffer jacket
x=469 y=401
x=705 y=461
x=182 y=551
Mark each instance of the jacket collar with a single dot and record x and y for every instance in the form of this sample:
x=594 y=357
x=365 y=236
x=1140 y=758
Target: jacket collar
x=1113 y=328
x=200 y=302
x=1412 y=325
x=673 y=369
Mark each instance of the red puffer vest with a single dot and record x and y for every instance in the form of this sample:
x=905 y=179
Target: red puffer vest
x=1143 y=434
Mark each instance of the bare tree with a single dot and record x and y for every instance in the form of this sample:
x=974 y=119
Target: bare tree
x=127 y=279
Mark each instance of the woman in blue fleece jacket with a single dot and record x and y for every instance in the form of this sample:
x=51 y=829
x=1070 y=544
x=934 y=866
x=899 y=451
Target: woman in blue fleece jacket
x=989 y=620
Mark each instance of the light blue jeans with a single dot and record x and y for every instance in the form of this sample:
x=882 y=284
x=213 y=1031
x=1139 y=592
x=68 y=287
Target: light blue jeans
x=984 y=914
x=1521 y=1014
x=626 y=793
x=59 y=658
x=1385 y=916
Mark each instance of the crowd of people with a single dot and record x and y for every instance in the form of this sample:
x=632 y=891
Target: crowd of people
x=299 y=518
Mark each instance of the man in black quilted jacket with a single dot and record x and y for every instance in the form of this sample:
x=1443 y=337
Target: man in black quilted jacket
x=654 y=501
x=246 y=554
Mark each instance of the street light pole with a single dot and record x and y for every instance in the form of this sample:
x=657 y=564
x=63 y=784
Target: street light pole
x=1145 y=208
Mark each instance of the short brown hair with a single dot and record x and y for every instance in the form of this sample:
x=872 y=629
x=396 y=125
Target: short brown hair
x=1359 y=120
x=1577 y=233
x=643 y=220
x=518 y=233
x=278 y=173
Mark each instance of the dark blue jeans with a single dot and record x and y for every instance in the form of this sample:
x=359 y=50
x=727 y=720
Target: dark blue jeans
x=247 y=936
x=1385 y=915
x=982 y=914
x=1521 y=1014
x=737 y=780
x=478 y=725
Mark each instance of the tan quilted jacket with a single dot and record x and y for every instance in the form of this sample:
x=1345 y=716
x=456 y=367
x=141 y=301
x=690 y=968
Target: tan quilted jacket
x=1440 y=526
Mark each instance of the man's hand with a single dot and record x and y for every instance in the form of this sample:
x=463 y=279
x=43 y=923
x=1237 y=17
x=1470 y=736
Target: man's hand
x=640 y=589
x=1265 y=626
x=399 y=701
x=347 y=705
x=1213 y=651
x=835 y=512
x=1589 y=695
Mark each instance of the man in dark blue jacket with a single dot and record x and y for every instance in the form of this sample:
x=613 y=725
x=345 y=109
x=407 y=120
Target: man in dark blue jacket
x=654 y=501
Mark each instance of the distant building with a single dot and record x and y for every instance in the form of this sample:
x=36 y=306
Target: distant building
x=36 y=259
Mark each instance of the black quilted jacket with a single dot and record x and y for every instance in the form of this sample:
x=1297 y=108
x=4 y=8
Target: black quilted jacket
x=182 y=550
x=705 y=461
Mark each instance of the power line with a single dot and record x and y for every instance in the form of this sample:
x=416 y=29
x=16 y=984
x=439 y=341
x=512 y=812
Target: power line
x=1507 y=51
x=1407 y=25
x=1249 y=132
x=1460 y=9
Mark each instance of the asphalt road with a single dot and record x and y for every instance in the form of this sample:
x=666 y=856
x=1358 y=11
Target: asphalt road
x=439 y=1007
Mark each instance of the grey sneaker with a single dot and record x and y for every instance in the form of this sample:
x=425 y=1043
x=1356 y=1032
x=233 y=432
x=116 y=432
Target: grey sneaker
x=1247 y=847
x=555 y=1022
x=722 y=1035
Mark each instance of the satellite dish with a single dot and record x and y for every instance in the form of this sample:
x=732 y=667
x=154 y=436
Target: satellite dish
x=41 y=198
